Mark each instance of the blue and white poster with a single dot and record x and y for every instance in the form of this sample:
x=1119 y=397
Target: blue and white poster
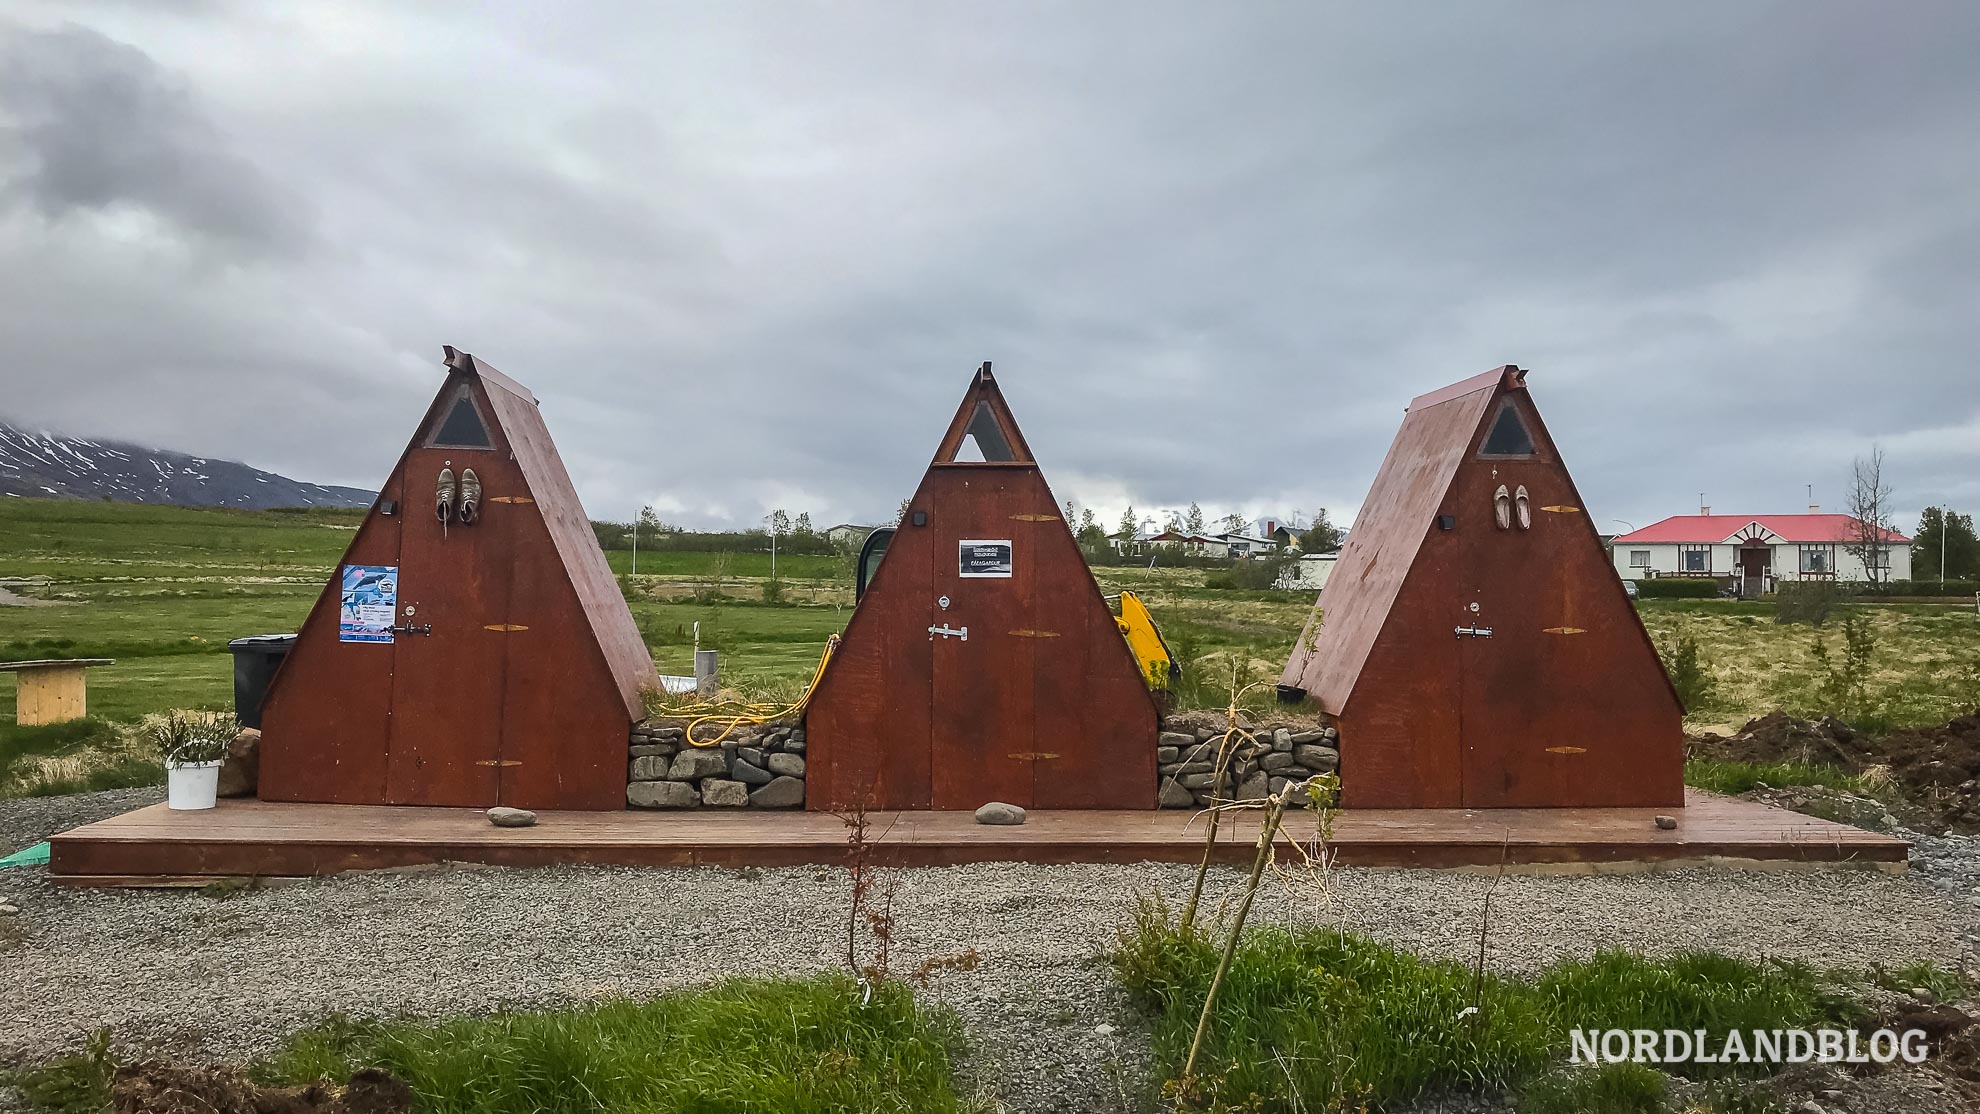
x=370 y=603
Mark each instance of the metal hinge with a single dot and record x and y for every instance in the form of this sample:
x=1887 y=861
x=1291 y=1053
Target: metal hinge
x=949 y=632
x=1475 y=632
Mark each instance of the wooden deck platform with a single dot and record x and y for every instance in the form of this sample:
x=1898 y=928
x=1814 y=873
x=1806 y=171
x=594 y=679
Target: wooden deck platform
x=155 y=846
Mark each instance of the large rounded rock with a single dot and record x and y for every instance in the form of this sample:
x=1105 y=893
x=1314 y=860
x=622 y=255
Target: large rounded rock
x=1175 y=796
x=783 y=792
x=997 y=812
x=1319 y=759
x=790 y=765
x=240 y=772
x=742 y=771
x=502 y=816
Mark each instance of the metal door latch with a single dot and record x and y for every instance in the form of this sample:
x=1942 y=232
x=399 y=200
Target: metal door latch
x=1475 y=632
x=423 y=628
x=949 y=632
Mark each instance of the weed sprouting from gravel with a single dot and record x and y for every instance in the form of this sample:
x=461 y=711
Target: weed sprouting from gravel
x=1609 y=1089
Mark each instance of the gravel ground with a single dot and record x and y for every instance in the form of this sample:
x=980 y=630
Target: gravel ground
x=202 y=976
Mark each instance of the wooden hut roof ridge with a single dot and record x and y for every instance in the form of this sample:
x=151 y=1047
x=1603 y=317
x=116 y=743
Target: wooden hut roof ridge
x=983 y=399
x=613 y=630
x=1400 y=510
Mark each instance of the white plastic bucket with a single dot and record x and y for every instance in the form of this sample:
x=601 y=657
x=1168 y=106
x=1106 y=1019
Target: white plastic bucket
x=191 y=786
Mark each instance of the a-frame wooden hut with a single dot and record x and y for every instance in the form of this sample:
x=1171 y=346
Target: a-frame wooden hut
x=1474 y=645
x=473 y=647
x=982 y=663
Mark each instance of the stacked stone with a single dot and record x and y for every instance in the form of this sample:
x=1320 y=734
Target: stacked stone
x=755 y=766
x=1186 y=762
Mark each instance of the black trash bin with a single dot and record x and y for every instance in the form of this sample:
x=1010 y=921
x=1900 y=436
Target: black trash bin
x=255 y=662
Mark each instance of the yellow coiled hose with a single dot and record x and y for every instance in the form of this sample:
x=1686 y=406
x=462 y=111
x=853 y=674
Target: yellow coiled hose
x=732 y=715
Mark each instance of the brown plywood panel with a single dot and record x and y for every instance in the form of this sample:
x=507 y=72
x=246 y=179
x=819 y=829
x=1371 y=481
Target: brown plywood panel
x=1381 y=548
x=867 y=728
x=982 y=743
x=447 y=685
x=563 y=723
x=612 y=634
x=327 y=714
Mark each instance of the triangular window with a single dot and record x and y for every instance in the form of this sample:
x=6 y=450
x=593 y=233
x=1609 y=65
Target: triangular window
x=463 y=427
x=1509 y=436
x=984 y=440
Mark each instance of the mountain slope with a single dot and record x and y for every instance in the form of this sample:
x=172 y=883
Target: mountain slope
x=46 y=465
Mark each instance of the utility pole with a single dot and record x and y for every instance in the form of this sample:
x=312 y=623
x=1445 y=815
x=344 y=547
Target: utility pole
x=1942 y=547
x=635 y=560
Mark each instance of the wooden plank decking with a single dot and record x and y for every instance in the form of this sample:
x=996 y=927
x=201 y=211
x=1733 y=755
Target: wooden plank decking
x=275 y=840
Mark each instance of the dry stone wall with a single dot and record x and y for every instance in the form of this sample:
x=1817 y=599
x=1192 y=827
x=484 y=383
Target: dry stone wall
x=1186 y=763
x=756 y=766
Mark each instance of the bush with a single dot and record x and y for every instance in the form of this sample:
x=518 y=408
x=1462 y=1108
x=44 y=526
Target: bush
x=1255 y=575
x=1805 y=601
x=1678 y=588
x=1687 y=671
x=1900 y=589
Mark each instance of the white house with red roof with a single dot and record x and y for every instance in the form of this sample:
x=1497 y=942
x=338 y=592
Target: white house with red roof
x=1754 y=552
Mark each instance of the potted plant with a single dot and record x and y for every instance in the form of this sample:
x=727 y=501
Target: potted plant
x=193 y=745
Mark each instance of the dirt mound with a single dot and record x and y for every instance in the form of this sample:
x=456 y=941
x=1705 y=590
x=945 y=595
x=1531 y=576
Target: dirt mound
x=1779 y=737
x=1936 y=769
x=154 y=1087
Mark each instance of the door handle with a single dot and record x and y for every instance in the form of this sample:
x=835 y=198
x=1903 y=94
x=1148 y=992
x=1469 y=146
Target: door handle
x=1474 y=632
x=961 y=634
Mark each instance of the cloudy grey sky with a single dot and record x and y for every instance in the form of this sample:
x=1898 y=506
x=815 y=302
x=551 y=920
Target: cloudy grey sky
x=748 y=254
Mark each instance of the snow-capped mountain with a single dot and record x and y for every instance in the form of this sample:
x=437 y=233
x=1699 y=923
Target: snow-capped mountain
x=48 y=465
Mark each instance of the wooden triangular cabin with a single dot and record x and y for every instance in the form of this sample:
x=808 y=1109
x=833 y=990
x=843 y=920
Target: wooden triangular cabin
x=457 y=662
x=982 y=663
x=1473 y=644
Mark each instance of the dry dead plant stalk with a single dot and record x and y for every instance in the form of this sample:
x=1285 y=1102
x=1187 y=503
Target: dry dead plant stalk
x=1227 y=745
x=1274 y=809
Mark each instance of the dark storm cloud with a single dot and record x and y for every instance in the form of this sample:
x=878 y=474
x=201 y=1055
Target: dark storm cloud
x=748 y=256
x=94 y=124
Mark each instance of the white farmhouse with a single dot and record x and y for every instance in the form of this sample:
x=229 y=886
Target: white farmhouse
x=1752 y=553
x=1309 y=573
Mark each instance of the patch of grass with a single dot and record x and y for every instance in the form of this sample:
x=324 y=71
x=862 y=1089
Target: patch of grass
x=785 y=1045
x=1608 y=1089
x=78 y=1084
x=1725 y=776
x=800 y=1045
x=1946 y=985
x=1319 y=1019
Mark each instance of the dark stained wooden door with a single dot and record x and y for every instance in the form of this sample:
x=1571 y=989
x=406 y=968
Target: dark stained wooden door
x=447 y=694
x=1511 y=584
x=982 y=724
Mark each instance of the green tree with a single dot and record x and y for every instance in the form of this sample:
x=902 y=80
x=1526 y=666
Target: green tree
x=1321 y=537
x=1193 y=521
x=1948 y=531
x=1070 y=517
x=1234 y=523
x=1129 y=524
x=1090 y=533
x=801 y=526
x=780 y=522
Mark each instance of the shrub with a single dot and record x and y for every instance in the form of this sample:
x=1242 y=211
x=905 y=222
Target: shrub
x=1925 y=589
x=1805 y=601
x=1678 y=588
x=1255 y=575
x=1687 y=670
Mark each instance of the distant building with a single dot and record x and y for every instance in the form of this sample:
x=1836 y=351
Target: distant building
x=1752 y=553
x=1309 y=573
x=847 y=534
